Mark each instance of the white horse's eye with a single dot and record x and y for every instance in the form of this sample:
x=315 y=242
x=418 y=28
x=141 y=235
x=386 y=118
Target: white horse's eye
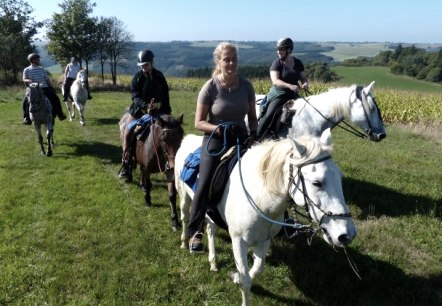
x=317 y=184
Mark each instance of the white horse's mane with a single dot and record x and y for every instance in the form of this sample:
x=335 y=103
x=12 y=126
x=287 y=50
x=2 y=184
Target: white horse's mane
x=276 y=153
x=334 y=97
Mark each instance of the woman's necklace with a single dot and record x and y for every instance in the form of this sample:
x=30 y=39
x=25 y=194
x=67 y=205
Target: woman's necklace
x=228 y=85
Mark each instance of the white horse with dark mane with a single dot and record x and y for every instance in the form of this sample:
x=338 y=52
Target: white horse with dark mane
x=260 y=189
x=315 y=113
x=79 y=97
x=40 y=112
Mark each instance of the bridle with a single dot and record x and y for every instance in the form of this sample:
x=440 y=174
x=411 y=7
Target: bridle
x=308 y=202
x=360 y=95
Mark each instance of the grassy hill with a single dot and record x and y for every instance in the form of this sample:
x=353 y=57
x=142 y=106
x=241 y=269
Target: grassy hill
x=384 y=79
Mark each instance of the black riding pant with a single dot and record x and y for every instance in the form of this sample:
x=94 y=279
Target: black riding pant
x=268 y=120
x=67 y=87
x=208 y=165
x=53 y=98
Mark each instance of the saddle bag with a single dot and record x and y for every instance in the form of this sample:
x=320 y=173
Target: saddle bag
x=189 y=173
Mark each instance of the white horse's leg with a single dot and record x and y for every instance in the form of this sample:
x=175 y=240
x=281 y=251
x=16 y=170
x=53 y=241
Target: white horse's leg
x=70 y=109
x=185 y=202
x=259 y=256
x=80 y=108
x=242 y=276
x=211 y=232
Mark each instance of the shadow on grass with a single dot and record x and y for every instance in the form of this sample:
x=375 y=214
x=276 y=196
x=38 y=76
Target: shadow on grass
x=103 y=151
x=326 y=278
x=377 y=200
x=104 y=121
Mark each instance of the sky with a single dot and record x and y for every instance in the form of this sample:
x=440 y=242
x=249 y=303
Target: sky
x=395 y=21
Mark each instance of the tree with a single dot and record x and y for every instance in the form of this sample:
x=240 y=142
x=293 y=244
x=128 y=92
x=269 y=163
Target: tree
x=17 y=29
x=73 y=32
x=118 y=45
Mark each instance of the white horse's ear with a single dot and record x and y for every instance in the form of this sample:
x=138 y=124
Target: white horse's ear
x=369 y=88
x=326 y=138
x=299 y=147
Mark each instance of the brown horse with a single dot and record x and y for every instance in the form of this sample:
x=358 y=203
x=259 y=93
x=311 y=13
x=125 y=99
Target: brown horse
x=156 y=154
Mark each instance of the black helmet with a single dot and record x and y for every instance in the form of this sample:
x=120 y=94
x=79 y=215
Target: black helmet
x=32 y=57
x=144 y=57
x=285 y=43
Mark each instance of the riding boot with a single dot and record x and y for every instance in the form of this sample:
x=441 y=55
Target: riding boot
x=126 y=167
x=144 y=134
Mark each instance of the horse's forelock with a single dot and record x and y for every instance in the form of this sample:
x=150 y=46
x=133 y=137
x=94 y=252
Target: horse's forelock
x=313 y=149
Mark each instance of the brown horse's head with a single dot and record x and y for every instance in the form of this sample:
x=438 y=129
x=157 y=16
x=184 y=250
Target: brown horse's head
x=167 y=137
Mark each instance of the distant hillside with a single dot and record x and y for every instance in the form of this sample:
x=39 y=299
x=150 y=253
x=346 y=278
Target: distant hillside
x=175 y=58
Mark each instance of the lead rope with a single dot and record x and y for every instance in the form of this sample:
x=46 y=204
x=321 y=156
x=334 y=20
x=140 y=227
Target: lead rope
x=352 y=263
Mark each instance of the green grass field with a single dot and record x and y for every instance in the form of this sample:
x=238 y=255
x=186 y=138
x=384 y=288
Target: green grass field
x=72 y=233
x=343 y=51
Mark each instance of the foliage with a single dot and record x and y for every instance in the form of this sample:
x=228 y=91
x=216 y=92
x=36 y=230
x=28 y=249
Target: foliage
x=73 y=234
x=115 y=44
x=410 y=61
x=17 y=29
x=73 y=32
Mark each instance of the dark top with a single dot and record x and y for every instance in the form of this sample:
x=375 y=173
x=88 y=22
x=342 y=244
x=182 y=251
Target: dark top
x=291 y=75
x=143 y=89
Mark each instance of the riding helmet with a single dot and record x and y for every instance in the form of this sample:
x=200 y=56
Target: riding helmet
x=285 y=43
x=32 y=57
x=145 y=56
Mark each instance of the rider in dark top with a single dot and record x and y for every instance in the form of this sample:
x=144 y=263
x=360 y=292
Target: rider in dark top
x=286 y=73
x=150 y=98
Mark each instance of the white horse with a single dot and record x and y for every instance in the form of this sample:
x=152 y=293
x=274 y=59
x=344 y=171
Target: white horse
x=256 y=197
x=315 y=113
x=79 y=96
x=40 y=112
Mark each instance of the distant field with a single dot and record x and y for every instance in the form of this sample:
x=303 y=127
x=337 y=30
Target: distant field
x=384 y=79
x=343 y=51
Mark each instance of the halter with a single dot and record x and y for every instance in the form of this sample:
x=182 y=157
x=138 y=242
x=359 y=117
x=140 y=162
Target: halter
x=363 y=98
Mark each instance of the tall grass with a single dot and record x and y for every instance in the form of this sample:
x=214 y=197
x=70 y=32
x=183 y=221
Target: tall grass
x=72 y=233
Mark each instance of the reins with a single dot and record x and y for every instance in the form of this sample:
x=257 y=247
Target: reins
x=347 y=127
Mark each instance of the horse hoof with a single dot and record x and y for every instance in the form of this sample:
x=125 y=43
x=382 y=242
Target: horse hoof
x=148 y=204
x=235 y=277
x=213 y=267
x=49 y=154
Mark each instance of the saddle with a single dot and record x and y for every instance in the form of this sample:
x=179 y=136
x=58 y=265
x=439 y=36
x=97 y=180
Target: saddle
x=189 y=174
x=281 y=119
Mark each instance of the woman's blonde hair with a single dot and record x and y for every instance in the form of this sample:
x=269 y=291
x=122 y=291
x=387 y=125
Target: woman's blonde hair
x=217 y=55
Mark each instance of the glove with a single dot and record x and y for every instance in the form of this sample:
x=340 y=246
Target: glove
x=250 y=140
x=231 y=131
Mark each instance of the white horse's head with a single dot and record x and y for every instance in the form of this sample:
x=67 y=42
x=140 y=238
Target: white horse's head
x=317 y=185
x=82 y=77
x=365 y=112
